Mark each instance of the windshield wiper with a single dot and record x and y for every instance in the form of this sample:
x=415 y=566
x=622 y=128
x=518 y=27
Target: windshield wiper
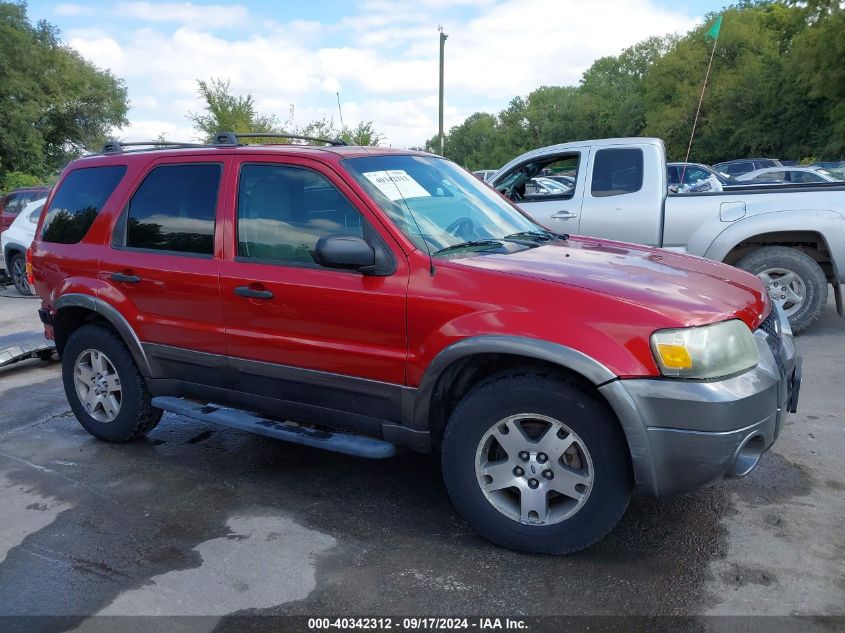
x=534 y=236
x=469 y=244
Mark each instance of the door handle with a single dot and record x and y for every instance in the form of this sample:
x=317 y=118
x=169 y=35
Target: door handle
x=564 y=215
x=251 y=293
x=125 y=278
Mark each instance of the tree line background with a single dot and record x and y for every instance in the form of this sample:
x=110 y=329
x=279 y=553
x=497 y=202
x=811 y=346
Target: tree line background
x=777 y=88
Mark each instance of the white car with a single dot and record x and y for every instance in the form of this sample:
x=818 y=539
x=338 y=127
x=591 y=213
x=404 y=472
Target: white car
x=16 y=239
x=788 y=175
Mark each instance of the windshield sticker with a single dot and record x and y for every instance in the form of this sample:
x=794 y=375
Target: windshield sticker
x=396 y=184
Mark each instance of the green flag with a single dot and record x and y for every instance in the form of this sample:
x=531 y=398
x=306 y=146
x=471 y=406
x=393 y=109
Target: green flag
x=713 y=31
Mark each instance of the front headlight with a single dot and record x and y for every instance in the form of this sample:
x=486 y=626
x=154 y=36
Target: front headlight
x=708 y=351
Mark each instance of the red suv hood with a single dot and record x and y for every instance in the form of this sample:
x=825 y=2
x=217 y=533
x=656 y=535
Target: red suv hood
x=690 y=290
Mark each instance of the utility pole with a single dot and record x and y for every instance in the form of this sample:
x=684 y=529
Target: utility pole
x=443 y=37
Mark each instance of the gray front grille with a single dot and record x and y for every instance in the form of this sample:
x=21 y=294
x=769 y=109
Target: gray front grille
x=772 y=329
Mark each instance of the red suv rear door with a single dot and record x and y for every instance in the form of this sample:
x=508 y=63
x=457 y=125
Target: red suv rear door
x=163 y=266
x=324 y=337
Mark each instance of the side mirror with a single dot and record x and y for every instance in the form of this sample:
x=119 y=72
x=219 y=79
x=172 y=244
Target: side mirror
x=349 y=252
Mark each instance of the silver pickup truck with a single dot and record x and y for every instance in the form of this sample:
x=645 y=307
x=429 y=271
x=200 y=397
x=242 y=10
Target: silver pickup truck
x=792 y=237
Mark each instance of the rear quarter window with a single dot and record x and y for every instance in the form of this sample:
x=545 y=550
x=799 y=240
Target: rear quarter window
x=617 y=171
x=77 y=202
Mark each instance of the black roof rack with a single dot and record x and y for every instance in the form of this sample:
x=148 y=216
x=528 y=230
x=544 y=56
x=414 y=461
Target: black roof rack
x=231 y=138
x=113 y=146
x=221 y=139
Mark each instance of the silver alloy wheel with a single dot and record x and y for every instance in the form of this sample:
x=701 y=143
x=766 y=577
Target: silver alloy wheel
x=785 y=287
x=534 y=469
x=97 y=385
x=19 y=273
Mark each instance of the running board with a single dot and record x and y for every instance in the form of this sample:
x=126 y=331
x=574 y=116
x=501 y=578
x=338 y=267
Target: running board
x=347 y=443
x=23 y=345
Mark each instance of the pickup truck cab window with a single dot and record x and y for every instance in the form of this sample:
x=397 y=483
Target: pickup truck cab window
x=443 y=209
x=283 y=211
x=173 y=210
x=78 y=201
x=617 y=171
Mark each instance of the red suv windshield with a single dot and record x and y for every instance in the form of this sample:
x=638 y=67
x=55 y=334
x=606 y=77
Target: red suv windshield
x=437 y=204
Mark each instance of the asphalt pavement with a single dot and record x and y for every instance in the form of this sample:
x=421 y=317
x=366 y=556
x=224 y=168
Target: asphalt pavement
x=197 y=520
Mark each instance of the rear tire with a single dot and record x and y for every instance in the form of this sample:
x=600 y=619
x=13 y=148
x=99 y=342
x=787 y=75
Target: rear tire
x=535 y=415
x=788 y=275
x=105 y=390
x=17 y=271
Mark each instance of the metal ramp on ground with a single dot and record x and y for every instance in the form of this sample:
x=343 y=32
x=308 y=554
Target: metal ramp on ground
x=23 y=345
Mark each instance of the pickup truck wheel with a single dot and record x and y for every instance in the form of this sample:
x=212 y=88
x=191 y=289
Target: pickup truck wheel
x=17 y=267
x=105 y=390
x=535 y=463
x=792 y=279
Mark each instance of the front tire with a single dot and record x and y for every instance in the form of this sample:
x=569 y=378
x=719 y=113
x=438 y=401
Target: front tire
x=105 y=390
x=793 y=279
x=536 y=463
x=17 y=270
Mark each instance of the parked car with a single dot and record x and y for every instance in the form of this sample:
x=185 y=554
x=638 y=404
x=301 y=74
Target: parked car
x=15 y=241
x=13 y=202
x=544 y=186
x=484 y=174
x=354 y=292
x=791 y=175
x=793 y=238
x=838 y=166
x=566 y=181
x=691 y=173
x=734 y=168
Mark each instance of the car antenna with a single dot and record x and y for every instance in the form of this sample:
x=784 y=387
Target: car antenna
x=340 y=113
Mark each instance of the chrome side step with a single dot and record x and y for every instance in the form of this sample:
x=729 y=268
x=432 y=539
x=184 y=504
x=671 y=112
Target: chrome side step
x=347 y=443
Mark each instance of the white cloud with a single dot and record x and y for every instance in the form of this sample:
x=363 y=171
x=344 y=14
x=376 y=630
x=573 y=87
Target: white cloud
x=71 y=9
x=384 y=57
x=198 y=16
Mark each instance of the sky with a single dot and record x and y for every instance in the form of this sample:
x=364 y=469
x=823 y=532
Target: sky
x=293 y=57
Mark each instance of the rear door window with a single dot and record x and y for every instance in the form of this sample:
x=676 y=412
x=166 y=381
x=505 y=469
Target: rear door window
x=617 y=171
x=693 y=174
x=805 y=177
x=77 y=202
x=740 y=168
x=173 y=210
x=772 y=176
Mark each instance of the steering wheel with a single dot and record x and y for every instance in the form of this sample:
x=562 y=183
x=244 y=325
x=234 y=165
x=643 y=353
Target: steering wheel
x=512 y=194
x=458 y=226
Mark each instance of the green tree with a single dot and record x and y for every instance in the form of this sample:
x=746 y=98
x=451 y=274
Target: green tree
x=225 y=112
x=613 y=90
x=53 y=103
x=752 y=105
x=817 y=64
x=364 y=133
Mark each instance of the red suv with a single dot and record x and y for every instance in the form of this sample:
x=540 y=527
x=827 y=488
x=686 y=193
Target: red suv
x=363 y=298
x=13 y=202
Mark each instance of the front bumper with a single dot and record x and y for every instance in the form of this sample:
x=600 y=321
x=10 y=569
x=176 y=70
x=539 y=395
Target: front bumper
x=684 y=434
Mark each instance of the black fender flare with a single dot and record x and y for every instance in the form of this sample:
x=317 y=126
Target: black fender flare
x=115 y=319
x=561 y=355
x=417 y=410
